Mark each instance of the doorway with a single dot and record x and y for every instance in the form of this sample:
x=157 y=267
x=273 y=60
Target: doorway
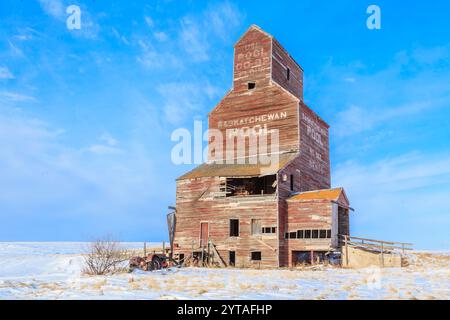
x=232 y=258
x=204 y=234
x=343 y=224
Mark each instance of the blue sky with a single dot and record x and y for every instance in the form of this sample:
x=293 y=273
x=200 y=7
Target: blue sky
x=86 y=115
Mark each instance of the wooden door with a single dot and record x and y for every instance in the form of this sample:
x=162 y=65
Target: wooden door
x=204 y=234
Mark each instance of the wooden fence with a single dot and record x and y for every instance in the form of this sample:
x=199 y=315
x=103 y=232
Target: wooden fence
x=375 y=245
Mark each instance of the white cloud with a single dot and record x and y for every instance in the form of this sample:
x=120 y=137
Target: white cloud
x=5 y=73
x=191 y=39
x=404 y=198
x=194 y=40
x=221 y=18
x=407 y=172
x=108 y=146
x=15 y=51
x=181 y=100
x=349 y=79
x=106 y=137
x=161 y=36
x=412 y=83
x=54 y=8
x=355 y=119
x=43 y=178
x=120 y=37
x=153 y=58
x=149 y=22
x=103 y=149
x=218 y=21
x=16 y=97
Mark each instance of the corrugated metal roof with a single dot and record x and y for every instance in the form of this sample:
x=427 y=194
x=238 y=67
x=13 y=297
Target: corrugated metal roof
x=246 y=169
x=327 y=194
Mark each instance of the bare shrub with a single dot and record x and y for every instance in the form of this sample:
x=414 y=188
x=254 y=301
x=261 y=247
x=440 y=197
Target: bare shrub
x=105 y=256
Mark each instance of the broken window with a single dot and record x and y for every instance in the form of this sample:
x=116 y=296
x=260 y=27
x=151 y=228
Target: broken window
x=308 y=257
x=251 y=186
x=251 y=85
x=256 y=226
x=256 y=256
x=288 y=74
x=266 y=230
x=292 y=182
x=307 y=234
x=234 y=228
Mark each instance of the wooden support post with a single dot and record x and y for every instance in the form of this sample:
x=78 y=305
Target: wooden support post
x=145 y=249
x=312 y=257
x=164 y=248
x=192 y=251
x=346 y=250
x=382 y=255
x=203 y=250
x=208 y=256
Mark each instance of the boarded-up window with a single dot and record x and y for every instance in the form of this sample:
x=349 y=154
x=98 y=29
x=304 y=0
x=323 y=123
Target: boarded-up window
x=300 y=234
x=256 y=226
x=322 y=234
x=234 y=228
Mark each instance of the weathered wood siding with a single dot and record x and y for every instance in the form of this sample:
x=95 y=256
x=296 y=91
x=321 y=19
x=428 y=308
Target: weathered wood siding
x=315 y=214
x=275 y=103
x=265 y=109
x=281 y=62
x=314 y=161
x=252 y=57
x=196 y=203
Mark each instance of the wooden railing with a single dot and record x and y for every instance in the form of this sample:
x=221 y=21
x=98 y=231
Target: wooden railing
x=379 y=245
x=383 y=247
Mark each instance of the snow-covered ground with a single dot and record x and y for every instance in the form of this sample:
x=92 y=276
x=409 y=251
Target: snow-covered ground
x=53 y=271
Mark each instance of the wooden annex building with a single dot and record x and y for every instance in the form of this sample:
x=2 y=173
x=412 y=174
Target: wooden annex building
x=256 y=215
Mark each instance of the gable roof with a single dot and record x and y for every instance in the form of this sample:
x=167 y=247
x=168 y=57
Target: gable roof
x=253 y=27
x=326 y=194
x=245 y=169
x=272 y=38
